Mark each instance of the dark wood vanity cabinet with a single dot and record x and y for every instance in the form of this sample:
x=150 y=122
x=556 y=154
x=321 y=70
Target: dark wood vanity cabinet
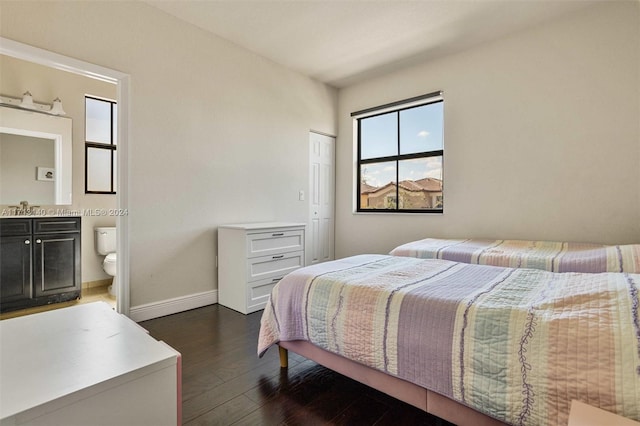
x=15 y=269
x=39 y=261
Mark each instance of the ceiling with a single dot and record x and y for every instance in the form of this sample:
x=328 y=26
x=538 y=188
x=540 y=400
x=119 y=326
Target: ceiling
x=341 y=42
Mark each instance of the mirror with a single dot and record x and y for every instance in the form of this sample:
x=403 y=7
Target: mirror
x=35 y=157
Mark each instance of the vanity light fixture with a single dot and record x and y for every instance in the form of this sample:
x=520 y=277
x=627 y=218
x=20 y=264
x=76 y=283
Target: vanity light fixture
x=26 y=102
x=56 y=108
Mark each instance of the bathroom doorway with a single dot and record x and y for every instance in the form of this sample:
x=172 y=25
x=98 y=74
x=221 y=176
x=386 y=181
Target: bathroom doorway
x=56 y=61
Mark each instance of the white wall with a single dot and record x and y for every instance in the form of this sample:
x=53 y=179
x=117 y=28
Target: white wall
x=46 y=84
x=542 y=137
x=218 y=134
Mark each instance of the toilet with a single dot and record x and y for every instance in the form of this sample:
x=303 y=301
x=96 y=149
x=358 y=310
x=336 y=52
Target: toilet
x=106 y=245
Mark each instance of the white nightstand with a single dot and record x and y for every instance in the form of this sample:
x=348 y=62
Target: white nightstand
x=252 y=258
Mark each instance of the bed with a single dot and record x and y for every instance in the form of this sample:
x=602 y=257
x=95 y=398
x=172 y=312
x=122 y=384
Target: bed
x=546 y=255
x=473 y=344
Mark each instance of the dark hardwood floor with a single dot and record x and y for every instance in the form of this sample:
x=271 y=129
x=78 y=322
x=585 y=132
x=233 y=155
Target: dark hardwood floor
x=225 y=383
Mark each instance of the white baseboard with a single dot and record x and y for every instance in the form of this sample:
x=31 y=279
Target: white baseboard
x=172 y=306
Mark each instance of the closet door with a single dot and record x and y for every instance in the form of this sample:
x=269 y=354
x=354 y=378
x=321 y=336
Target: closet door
x=321 y=226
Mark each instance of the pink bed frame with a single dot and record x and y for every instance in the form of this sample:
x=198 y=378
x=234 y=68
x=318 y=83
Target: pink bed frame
x=424 y=399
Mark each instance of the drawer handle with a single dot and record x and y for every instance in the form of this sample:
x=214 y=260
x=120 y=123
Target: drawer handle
x=27 y=242
x=279 y=234
x=275 y=280
x=38 y=241
x=278 y=257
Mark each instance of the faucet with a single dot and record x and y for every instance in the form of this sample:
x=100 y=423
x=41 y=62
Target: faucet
x=24 y=208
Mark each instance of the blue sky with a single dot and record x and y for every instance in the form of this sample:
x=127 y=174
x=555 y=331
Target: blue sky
x=420 y=131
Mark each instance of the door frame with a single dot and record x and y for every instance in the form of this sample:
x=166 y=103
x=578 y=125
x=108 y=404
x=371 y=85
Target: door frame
x=57 y=61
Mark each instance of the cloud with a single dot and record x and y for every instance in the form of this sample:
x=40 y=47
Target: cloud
x=435 y=173
x=434 y=162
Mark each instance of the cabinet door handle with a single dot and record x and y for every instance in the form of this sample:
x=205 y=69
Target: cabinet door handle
x=275 y=280
x=279 y=234
x=27 y=242
x=278 y=257
x=38 y=241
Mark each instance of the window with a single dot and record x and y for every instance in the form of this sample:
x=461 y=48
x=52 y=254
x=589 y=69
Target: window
x=401 y=156
x=100 y=146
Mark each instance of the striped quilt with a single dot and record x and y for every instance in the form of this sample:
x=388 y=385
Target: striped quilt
x=545 y=255
x=516 y=344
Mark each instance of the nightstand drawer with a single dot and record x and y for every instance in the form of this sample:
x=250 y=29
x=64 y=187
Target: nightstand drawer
x=274 y=266
x=258 y=293
x=266 y=243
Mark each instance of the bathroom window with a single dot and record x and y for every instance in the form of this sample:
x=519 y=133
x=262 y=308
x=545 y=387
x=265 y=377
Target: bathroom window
x=101 y=144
